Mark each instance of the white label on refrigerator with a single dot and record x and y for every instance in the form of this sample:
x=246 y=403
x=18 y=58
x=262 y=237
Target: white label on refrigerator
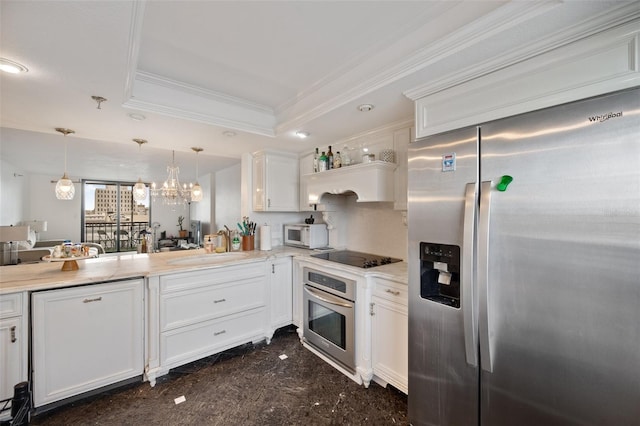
x=449 y=162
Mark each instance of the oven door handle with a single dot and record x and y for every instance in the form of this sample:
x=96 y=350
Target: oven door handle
x=327 y=299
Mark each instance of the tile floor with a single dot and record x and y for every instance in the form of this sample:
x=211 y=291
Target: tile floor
x=248 y=385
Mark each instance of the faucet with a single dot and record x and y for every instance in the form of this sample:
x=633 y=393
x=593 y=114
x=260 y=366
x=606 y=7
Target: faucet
x=228 y=234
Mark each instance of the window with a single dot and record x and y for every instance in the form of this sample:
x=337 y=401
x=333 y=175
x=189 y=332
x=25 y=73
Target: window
x=111 y=217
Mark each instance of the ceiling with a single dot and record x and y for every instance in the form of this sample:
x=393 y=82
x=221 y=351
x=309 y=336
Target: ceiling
x=197 y=70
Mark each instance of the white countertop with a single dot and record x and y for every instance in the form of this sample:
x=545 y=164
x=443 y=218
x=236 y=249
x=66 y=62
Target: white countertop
x=42 y=276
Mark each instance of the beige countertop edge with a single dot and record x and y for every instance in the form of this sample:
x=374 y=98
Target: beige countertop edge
x=44 y=276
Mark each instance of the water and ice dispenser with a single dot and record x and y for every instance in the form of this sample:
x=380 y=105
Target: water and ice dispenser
x=440 y=273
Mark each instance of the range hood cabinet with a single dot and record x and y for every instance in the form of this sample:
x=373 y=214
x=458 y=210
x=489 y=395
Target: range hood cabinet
x=371 y=182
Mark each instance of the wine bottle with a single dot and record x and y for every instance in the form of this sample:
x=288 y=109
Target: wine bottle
x=330 y=158
x=316 y=158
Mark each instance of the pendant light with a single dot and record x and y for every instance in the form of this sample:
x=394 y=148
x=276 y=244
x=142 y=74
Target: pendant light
x=196 y=189
x=65 y=190
x=139 y=189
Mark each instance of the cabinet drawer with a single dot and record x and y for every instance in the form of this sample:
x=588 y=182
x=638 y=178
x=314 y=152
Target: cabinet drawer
x=198 y=340
x=191 y=280
x=205 y=303
x=392 y=291
x=10 y=305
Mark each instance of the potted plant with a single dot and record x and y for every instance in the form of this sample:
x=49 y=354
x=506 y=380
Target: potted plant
x=183 y=232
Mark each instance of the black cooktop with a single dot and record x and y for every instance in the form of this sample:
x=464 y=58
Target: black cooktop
x=355 y=258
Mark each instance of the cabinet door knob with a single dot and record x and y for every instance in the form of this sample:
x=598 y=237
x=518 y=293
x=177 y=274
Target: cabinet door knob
x=13 y=334
x=371 y=305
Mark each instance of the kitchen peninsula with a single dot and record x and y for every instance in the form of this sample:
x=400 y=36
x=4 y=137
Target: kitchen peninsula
x=171 y=308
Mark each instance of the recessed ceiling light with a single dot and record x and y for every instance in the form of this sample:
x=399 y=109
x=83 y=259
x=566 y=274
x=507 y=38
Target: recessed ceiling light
x=137 y=117
x=365 y=107
x=12 y=67
x=229 y=133
x=302 y=135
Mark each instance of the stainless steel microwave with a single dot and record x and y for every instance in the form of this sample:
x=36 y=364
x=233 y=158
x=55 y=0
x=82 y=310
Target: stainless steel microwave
x=306 y=235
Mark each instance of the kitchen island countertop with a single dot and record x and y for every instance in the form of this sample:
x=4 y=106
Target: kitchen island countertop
x=45 y=275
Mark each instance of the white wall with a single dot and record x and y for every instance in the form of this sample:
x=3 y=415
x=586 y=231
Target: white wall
x=13 y=185
x=375 y=228
x=62 y=216
x=227 y=198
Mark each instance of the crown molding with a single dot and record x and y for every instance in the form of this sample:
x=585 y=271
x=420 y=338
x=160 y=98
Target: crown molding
x=235 y=124
x=503 y=18
x=135 y=35
x=597 y=24
x=403 y=32
x=160 y=81
x=161 y=95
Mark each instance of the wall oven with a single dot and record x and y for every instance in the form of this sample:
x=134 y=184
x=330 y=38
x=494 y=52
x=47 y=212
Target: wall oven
x=329 y=315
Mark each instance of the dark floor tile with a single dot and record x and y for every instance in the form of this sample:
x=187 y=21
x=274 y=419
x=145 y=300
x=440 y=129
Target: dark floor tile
x=248 y=385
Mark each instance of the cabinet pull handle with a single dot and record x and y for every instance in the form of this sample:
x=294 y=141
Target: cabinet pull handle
x=97 y=299
x=13 y=334
x=219 y=300
x=395 y=293
x=217 y=333
x=273 y=268
x=268 y=202
x=371 y=305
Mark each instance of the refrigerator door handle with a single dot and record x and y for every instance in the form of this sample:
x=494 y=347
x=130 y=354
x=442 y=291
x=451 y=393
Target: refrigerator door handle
x=484 y=321
x=469 y=314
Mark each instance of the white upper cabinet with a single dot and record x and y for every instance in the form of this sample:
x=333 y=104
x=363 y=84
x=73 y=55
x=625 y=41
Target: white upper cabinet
x=599 y=64
x=275 y=182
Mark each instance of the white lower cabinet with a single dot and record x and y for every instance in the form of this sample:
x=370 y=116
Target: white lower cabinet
x=207 y=311
x=389 y=333
x=281 y=280
x=13 y=344
x=84 y=338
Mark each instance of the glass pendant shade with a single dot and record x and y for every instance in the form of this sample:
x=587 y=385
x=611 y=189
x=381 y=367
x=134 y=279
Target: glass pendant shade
x=65 y=190
x=139 y=191
x=196 y=192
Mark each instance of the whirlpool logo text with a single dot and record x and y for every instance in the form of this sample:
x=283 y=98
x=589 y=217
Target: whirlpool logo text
x=605 y=117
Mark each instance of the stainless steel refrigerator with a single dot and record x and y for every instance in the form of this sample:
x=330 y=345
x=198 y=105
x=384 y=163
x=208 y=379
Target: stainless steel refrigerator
x=524 y=269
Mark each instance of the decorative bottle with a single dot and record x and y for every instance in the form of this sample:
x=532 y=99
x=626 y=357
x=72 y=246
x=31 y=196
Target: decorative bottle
x=337 y=161
x=322 y=162
x=330 y=159
x=346 y=158
x=316 y=158
x=235 y=242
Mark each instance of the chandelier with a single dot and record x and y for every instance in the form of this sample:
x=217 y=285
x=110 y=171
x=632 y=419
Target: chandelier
x=172 y=192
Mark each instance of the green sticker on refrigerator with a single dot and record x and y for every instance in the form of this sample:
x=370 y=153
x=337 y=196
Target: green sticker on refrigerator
x=504 y=183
